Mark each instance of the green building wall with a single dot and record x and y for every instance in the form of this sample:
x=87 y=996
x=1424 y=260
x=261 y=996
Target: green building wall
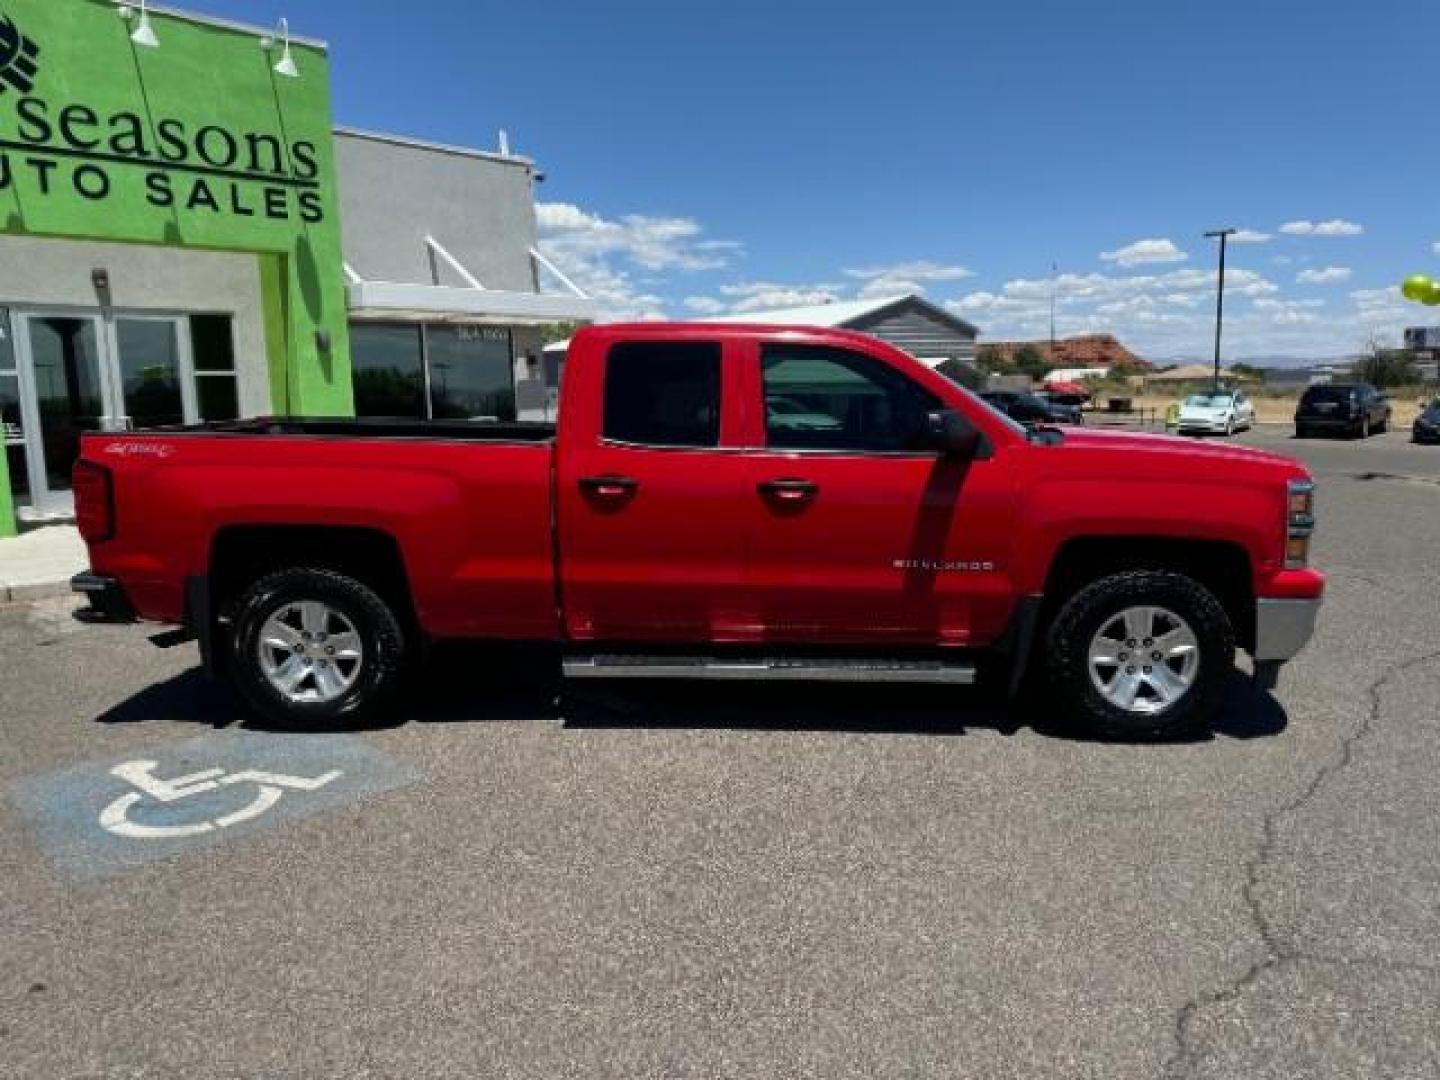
x=198 y=143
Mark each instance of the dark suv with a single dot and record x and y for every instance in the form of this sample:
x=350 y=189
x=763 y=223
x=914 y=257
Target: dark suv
x=1427 y=424
x=1354 y=409
x=1029 y=408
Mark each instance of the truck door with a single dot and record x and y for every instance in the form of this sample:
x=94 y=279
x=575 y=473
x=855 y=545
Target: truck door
x=853 y=535
x=650 y=484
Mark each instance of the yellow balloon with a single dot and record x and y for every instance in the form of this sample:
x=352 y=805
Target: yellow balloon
x=1417 y=287
x=1432 y=295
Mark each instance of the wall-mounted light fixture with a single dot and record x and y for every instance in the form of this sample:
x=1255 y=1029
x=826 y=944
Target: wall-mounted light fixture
x=144 y=33
x=286 y=64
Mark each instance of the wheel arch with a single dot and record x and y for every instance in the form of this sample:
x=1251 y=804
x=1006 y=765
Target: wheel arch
x=1221 y=566
x=242 y=554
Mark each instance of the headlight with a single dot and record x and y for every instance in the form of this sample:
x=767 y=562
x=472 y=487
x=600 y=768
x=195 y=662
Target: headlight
x=1299 y=523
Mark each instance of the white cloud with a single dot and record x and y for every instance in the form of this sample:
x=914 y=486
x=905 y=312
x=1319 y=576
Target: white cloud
x=1267 y=303
x=601 y=254
x=767 y=295
x=705 y=305
x=1435 y=247
x=561 y=217
x=1330 y=275
x=919 y=270
x=1145 y=251
x=901 y=279
x=1250 y=236
x=1334 y=227
x=1171 y=315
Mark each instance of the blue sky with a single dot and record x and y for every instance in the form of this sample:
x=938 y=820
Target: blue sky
x=703 y=158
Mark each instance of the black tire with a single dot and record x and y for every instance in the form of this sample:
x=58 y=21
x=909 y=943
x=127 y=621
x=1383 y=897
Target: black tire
x=1382 y=427
x=1081 y=617
x=381 y=635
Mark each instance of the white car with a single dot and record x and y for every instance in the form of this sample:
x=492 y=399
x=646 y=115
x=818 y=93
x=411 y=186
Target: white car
x=1223 y=412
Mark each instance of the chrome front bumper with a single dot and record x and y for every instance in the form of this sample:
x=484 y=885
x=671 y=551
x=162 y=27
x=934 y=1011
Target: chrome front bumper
x=1283 y=628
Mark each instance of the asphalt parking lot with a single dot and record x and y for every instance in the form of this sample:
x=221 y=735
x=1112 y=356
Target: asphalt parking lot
x=678 y=882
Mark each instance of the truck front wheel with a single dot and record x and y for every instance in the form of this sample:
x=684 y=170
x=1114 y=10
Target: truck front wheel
x=1143 y=654
x=314 y=648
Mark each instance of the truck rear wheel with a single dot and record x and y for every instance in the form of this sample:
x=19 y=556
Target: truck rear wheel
x=1143 y=654
x=314 y=648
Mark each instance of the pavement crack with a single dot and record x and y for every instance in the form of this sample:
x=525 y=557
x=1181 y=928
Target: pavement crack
x=1278 y=952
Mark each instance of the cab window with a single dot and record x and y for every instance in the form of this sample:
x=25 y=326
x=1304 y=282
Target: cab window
x=663 y=393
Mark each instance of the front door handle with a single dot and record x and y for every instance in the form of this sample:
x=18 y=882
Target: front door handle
x=609 y=486
x=789 y=490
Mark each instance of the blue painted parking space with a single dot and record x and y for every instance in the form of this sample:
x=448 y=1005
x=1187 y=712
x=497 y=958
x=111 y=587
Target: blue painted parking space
x=105 y=817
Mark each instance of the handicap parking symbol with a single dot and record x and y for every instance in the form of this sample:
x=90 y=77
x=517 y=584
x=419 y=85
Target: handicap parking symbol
x=116 y=817
x=98 y=819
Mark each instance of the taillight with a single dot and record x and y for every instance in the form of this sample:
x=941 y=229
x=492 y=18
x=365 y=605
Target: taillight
x=94 y=501
x=1299 y=523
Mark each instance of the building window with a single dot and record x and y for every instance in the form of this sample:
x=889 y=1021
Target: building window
x=212 y=342
x=432 y=372
x=388 y=365
x=472 y=375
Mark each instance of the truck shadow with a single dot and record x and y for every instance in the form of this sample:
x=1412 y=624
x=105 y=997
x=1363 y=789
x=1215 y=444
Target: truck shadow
x=465 y=684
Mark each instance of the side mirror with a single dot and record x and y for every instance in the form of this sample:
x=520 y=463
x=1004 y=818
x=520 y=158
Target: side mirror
x=951 y=435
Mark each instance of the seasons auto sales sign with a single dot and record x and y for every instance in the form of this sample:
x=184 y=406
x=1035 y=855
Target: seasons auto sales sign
x=79 y=149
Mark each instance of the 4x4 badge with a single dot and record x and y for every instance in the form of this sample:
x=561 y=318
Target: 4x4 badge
x=18 y=57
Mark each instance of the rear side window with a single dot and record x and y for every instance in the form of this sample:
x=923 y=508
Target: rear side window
x=663 y=393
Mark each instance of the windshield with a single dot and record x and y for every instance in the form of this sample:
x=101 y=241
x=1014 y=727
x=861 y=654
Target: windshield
x=1207 y=401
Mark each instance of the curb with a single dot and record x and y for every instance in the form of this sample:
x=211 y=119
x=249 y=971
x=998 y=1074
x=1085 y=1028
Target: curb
x=35 y=590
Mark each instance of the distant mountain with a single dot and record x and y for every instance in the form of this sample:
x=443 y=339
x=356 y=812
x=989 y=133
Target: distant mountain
x=1260 y=361
x=1296 y=361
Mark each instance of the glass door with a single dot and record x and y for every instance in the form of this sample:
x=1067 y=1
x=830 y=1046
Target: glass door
x=63 y=395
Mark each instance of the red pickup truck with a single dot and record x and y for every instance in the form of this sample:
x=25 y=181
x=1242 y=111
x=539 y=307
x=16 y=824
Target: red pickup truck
x=722 y=502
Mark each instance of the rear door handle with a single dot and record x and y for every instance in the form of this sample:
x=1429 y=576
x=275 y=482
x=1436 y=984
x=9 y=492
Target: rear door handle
x=789 y=490
x=609 y=486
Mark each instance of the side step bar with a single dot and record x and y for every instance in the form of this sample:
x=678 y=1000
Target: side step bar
x=807 y=669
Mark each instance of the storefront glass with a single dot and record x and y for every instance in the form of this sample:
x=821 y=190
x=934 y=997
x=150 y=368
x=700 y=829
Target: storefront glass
x=12 y=423
x=150 y=375
x=65 y=362
x=389 y=370
x=217 y=394
x=471 y=373
x=433 y=372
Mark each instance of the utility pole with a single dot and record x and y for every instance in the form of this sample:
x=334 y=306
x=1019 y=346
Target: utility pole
x=1054 y=273
x=1223 y=235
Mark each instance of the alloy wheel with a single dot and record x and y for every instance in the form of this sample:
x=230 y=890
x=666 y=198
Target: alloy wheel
x=310 y=652
x=1144 y=659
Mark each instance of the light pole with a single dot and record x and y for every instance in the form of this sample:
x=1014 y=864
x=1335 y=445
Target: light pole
x=1054 y=273
x=1223 y=235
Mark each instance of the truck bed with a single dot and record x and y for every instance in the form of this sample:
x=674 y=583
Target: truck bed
x=467 y=506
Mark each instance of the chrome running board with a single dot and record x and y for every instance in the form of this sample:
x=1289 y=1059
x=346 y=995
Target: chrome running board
x=806 y=669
